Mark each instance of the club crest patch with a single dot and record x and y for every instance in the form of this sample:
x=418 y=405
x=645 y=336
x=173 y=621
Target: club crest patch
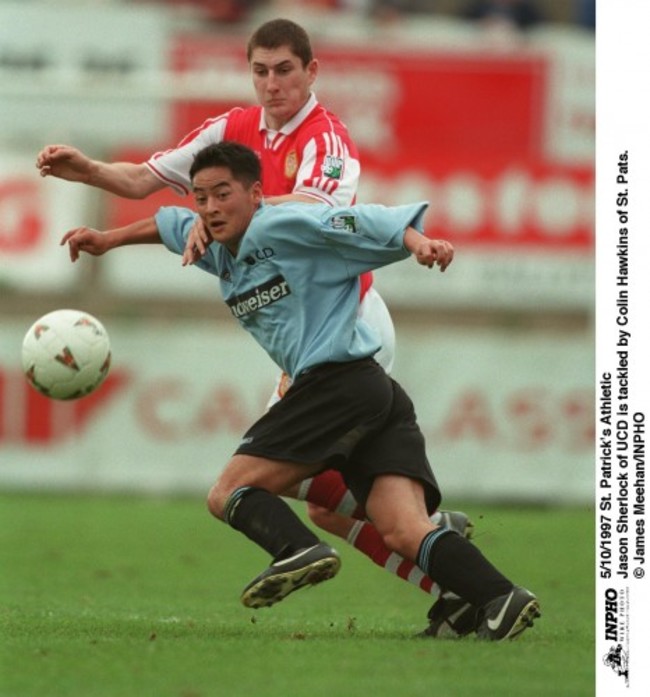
x=291 y=165
x=332 y=167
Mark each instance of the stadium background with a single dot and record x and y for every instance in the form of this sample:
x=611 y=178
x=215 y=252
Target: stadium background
x=494 y=125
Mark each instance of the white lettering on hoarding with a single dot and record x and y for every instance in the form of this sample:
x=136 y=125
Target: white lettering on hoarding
x=511 y=206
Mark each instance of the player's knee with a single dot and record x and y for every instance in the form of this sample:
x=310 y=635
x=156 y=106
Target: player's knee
x=216 y=501
x=228 y=482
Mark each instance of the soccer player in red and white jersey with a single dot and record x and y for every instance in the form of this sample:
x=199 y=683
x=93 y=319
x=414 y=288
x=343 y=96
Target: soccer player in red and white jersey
x=307 y=155
x=304 y=153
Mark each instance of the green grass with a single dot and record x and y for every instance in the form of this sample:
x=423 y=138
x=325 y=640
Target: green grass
x=136 y=597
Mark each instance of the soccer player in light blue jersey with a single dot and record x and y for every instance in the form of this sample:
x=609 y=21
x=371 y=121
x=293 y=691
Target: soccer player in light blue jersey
x=307 y=155
x=289 y=275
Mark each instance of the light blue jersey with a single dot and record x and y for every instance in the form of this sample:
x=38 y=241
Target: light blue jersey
x=294 y=284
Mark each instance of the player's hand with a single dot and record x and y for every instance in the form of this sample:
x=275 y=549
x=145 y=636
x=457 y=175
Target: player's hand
x=434 y=252
x=85 y=239
x=64 y=162
x=197 y=243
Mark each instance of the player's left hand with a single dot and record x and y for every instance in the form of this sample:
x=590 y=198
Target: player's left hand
x=434 y=252
x=84 y=239
x=197 y=243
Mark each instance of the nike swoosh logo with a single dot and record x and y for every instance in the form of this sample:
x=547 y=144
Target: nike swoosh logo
x=295 y=582
x=288 y=560
x=493 y=624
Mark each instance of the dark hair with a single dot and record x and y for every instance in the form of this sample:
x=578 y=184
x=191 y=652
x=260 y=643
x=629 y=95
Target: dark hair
x=282 y=32
x=242 y=162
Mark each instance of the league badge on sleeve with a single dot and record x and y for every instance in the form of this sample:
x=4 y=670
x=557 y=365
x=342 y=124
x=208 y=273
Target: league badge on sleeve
x=343 y=222
x=332 y=167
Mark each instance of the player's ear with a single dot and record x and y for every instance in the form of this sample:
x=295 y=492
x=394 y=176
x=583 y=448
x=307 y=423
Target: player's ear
x=312 y=70
x=256 y=192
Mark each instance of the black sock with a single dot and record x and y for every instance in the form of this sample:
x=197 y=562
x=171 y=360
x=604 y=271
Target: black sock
x=457 y=565
x=268 y=521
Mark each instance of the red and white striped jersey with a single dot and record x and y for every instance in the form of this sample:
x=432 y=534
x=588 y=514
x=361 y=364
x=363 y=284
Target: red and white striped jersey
x=312 y=154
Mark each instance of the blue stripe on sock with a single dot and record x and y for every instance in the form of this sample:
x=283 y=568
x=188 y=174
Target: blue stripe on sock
x=427 y=545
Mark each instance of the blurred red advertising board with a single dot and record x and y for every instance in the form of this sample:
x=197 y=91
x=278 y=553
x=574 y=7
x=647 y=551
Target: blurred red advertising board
x=401 y=101
x=22 y=215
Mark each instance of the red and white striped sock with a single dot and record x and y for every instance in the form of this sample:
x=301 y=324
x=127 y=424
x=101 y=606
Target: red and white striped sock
x=329 y=491
x=364 y=537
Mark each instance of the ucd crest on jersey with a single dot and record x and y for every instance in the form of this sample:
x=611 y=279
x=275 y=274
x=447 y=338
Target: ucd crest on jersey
x=332 y=167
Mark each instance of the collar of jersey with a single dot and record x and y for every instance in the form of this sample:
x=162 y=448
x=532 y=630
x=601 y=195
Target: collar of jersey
x=293 y=123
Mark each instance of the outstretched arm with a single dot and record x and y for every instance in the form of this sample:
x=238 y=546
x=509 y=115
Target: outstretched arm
x=125 y=179
x=96 y=243
x=370 y=236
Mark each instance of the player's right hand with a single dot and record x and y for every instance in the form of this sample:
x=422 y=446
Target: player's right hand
x=64 y=162
x=432 y=253
x=85 y=239
x=197 y=243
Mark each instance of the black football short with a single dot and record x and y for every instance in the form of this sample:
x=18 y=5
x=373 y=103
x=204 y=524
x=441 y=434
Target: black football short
x=347 y=416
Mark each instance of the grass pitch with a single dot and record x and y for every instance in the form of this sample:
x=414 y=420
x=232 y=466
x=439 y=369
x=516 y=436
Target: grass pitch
x=133 y=597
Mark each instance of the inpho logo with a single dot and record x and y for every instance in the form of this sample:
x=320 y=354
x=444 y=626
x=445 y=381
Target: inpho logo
x=611 y=615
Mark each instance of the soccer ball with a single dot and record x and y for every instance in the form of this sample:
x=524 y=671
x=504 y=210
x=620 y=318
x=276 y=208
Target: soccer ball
x=66 y=354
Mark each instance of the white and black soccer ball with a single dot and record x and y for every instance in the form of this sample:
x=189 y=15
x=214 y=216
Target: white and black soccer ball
x=66 y=354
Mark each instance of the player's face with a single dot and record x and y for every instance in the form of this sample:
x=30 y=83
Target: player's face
x=225 y=205
x=281 y=82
